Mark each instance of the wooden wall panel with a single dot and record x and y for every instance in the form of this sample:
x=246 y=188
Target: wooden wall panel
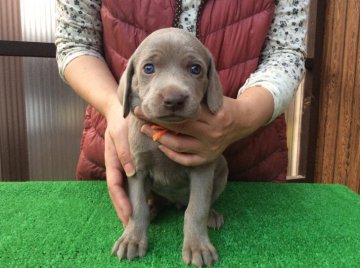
x=337 y=159
x=344 y=148
x=353 y=178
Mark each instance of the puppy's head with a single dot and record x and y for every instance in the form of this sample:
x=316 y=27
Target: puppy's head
x=170 y=74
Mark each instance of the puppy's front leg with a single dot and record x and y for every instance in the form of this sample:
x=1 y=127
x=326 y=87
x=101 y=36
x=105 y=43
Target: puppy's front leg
x=197 y=248
x=133 y=242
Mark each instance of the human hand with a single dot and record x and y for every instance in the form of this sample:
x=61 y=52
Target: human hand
x=199 y=141
x=117 y=160
x=91 y=79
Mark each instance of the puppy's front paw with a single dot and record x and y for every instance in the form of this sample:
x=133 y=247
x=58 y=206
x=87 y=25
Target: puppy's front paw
x=199 y=252
x=131 y=244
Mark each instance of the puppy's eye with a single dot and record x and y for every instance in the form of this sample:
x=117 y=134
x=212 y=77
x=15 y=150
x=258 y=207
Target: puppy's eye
x=195 y=69
x=149 y=68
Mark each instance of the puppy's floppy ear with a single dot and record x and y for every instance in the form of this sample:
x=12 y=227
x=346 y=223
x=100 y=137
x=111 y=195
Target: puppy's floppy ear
x=125 y=87
x=214 y=93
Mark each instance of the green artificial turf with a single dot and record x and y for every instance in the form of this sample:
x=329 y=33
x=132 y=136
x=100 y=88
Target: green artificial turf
x=73 y=224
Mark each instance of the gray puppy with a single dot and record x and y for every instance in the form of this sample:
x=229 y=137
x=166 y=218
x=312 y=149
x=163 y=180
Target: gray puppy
x=169 y=76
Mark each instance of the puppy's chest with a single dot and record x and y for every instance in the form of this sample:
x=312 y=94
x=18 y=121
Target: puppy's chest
x=170 y=180
x=166 y=172
x=166 y=177
x=161 y=170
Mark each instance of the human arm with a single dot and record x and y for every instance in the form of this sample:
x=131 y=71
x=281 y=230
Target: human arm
x=282 y=60
x=92 y=80
x=82 y=66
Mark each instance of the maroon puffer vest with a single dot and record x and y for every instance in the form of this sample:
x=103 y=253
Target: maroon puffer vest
x=234 y=32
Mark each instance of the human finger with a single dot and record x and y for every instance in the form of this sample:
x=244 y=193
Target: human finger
x=176 y=142
x=184 y=159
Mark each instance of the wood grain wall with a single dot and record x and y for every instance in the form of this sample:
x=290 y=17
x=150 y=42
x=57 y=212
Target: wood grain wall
x=338 y=148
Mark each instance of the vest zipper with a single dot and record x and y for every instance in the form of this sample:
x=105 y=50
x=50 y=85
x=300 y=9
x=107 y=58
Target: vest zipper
x=178 y=11
x=198 y=16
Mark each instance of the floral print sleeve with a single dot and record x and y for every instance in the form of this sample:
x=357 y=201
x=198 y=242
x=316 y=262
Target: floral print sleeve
x=282 y=61
x=78 y=30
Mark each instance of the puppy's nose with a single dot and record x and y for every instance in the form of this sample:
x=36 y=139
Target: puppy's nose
x=174 y=101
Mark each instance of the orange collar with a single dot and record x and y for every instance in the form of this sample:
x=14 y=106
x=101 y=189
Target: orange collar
x=160 y=131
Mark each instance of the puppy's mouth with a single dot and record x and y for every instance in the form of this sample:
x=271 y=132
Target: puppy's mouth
x=174 y=119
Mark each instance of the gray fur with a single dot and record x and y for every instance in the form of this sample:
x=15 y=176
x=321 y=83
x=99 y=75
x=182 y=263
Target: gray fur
x=172 y=51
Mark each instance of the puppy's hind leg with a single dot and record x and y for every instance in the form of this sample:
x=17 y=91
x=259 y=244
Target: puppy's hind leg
x=133 y=242
x=157 y=204
x=215 y=219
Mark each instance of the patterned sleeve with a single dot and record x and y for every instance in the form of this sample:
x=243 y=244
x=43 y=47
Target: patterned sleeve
x=282 y=61
x=78 y=30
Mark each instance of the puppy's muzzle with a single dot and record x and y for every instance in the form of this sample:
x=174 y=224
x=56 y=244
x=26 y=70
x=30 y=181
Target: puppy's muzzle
x=173 y=100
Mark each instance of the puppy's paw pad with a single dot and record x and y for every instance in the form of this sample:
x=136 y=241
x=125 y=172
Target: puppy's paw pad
x=215 y=219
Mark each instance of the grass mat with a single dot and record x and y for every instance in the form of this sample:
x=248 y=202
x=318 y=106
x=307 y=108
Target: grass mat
x=73 y=224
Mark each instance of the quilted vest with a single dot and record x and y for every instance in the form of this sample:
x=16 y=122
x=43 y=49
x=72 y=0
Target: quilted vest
x=234 y=32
